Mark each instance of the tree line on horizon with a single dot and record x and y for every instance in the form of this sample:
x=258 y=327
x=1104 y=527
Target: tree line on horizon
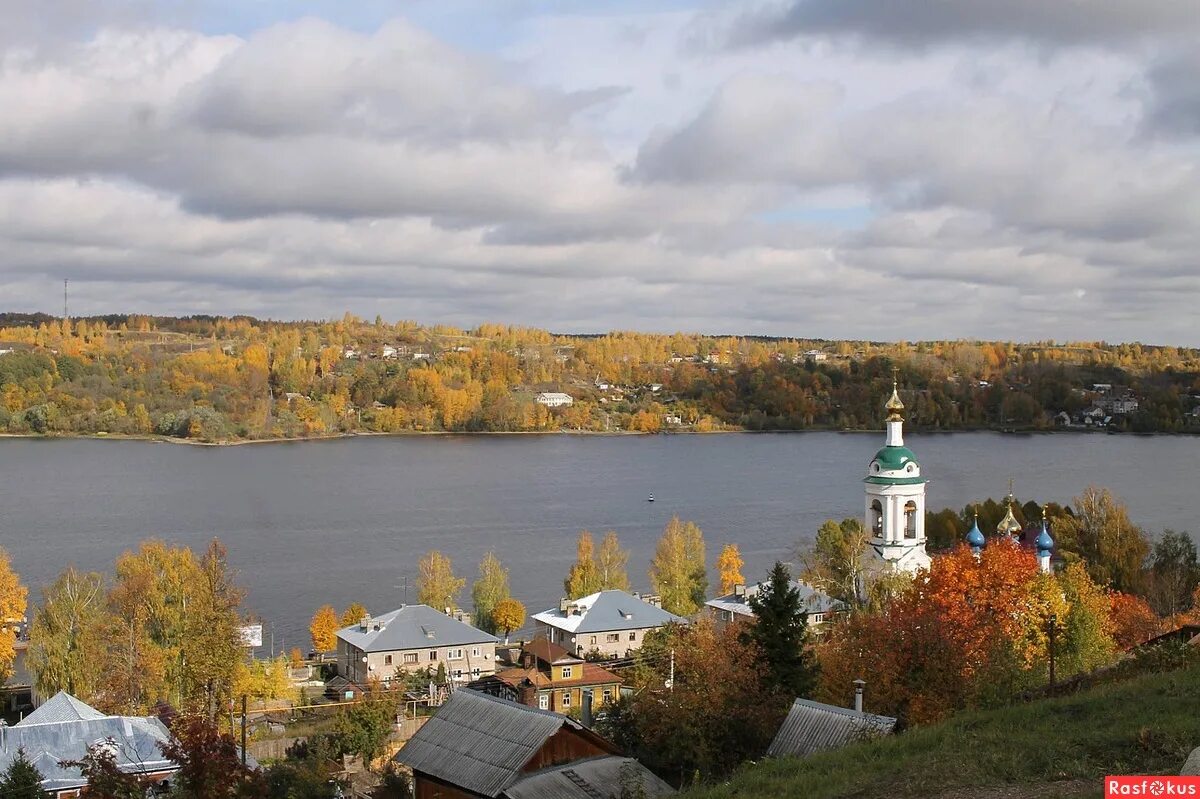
x=214 y=379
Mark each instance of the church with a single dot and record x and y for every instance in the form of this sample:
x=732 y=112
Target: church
x=895 y=504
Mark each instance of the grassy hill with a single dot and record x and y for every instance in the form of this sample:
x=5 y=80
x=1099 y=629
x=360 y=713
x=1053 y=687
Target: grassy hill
x=1050 y=748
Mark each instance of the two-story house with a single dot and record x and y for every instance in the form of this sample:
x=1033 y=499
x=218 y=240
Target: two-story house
x=612 y=623
x=736 y=606
x=551 y=678
x=412 y=638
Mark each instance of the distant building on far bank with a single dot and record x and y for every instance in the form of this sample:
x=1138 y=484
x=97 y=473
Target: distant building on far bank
x=554 y=399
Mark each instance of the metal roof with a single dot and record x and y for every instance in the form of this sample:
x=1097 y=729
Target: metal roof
x=413 y=627
x=811 y=600
x=480 y=742
x=608 y=611
x=813 y=727
x=593 y=778
x=63 y=729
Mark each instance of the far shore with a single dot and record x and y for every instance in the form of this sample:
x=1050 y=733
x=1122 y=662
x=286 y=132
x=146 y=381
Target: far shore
x=236 y=442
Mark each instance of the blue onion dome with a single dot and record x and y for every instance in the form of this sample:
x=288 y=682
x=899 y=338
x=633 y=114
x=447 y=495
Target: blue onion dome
x=975 y=537
x=1044 y=542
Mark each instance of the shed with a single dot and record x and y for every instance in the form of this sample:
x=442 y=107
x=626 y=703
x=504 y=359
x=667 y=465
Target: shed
x=814 y=727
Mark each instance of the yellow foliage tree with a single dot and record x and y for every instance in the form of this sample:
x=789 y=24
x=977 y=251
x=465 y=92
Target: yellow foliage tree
x=354 y=614
x=508 y=615
x=323 y=628
x=611 y=563
x=677 y=572
x=437 y=586
x=584 y=577
x=13 y=597
x=729 y=566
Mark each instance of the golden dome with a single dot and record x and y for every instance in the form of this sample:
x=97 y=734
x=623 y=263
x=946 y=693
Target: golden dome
x=894 y=406
x=1009 y=525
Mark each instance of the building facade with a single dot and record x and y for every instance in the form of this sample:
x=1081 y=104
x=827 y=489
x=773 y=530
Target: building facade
x=734 y=607
x=611 y=623
x=414 y=638
x=548 y=677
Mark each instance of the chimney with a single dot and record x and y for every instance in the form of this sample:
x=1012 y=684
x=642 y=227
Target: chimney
x=364 y=624
x=563 y=604
x=586 y=716
x=739 y=590
x=527 y=694
x=858 y=694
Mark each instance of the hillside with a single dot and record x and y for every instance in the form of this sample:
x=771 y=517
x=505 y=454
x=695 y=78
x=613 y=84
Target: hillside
x=213 y=379
x=1052 y=748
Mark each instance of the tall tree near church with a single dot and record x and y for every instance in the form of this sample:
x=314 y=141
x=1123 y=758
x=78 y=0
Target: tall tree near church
x=13 y=596
x=1114 y=548
x=584 y=576
x=489 y=591
x=729 y=567
x=64 y=638
x=780 y=631
x=612 y=563
x=437 y=586
x=677 y=572
x=323 y=629
x=836 y=563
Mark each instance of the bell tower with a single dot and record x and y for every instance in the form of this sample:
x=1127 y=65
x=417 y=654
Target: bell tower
x=895 y=497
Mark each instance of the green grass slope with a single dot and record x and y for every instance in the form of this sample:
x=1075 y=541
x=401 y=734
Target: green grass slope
x=1050 y=748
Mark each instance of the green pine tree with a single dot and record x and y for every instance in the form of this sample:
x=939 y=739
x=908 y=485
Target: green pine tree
x=22 y=780
x=780 y=632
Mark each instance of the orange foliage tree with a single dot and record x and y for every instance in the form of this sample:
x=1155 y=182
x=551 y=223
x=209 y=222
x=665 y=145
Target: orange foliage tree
x=1134 y=621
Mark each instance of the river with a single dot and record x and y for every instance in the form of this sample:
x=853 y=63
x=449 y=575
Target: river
x=345 y=520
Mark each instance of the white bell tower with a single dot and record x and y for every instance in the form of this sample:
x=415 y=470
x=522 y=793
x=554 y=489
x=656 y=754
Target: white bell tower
x=895 y=498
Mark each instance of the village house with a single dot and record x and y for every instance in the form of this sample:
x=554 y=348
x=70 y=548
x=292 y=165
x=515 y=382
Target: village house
x=554 y=399
x=549 y=677
x=478 y=745
x=414 y=637
x=63 y=728
x=735 y=606
x=611 y=623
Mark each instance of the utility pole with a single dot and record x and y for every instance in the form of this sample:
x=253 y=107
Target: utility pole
x=1053 y=628
x=66 y=315
x=671 y=678
x=243 y=730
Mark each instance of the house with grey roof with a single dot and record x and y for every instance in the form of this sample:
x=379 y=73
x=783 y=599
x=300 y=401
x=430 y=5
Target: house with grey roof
x=609 y=622
x=735 y=606
x=63 y=728
x=414 y=638
x=814 y=727
x=483 y=746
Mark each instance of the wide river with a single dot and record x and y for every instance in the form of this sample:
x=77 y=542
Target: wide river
x=345 y=520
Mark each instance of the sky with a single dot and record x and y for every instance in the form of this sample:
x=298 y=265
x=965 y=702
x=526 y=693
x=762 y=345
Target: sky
x=883 y=169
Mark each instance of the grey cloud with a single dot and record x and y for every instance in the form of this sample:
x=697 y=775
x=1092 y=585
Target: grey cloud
x=1173 y=105
x=919 y=23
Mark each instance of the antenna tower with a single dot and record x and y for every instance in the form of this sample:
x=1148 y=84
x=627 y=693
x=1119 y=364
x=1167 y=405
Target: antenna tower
x=66 y=315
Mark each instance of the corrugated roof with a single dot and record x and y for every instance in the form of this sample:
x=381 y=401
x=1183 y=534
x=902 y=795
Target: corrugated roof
x=479 y=742
x=814 y=727
x=811 y=600
x=594 y=778
x=63 y=729
x=413 y=627
x=609 y=611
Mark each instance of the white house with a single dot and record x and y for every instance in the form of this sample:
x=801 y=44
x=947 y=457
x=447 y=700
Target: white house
x=554 y=399
x=610 y=622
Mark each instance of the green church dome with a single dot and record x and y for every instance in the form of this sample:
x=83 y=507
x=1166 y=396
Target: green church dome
x=894 y=459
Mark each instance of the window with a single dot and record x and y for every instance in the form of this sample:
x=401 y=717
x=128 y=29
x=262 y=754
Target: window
x=910 y=520
x=607 y=694
x=566 y=672
x=387 y=660
x=475 y=672
x=433 y=654
x=877 y=519
x=458 y=674
x=817 y=618
x=566 y=699
x=614 y=637
x=475 y=652
x=411 y=657
x=633 y=636
x=544 y=701
x=454 y=654
x=593 y=640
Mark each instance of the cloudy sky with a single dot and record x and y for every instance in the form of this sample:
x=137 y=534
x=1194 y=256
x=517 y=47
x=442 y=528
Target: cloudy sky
x=891 y=169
